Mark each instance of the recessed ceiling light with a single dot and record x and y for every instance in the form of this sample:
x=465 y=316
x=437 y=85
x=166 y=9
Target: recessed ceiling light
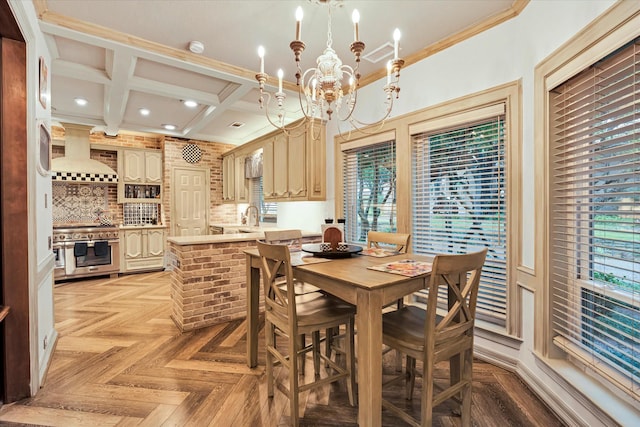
x=190 y=103
x=81 y=101
x=236 y=125
x=144 y=111
x=169 y=127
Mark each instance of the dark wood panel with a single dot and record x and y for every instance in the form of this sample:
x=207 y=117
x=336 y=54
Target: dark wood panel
x=14 y=218
x=120 y=360
x=8 y=25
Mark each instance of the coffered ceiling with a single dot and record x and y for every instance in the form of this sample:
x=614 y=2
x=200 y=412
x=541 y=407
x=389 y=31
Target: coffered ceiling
x=122 y=56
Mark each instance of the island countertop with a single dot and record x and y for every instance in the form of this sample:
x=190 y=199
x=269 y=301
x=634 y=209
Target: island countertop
x=226 y=238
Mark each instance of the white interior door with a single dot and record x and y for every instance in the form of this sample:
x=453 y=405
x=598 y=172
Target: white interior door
x=190 y=201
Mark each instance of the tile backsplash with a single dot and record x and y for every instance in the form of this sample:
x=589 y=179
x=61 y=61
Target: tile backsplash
x=79 y=203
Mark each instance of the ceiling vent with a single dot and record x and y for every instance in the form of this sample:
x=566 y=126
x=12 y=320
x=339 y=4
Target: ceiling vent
x=236 y=125
x=379 y=54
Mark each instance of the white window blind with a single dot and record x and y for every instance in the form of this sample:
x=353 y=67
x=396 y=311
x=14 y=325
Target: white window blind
x=595 y=215
x=268 y=211
x=369 y=174
x=459 y=201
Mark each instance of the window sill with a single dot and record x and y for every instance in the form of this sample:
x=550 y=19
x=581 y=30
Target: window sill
x=608 y=407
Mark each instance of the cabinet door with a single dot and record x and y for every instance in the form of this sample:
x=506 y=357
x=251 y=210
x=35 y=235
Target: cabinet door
x=242 y=189
x=155 y=242
x=228 y=178
x=267 y=170
x=297 y=171
x=280 y=157
x=133 y=164
x=153 y=167
x=316 y=164
x=133 y=244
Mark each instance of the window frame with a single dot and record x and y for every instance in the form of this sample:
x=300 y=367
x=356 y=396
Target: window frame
x=356 y=146
x=509 y=94
x=610 y=31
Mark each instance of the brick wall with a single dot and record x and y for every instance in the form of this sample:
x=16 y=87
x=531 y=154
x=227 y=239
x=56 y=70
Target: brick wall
x=209 y=282
x=211 y=159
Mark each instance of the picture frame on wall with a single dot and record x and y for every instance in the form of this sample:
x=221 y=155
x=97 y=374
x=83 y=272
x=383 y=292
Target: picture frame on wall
x=44 y=150
x=43 y=83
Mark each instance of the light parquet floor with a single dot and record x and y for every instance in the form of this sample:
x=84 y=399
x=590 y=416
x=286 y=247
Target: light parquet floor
x=121 y=361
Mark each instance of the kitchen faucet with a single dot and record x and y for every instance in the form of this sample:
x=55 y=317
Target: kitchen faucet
x=248 y=214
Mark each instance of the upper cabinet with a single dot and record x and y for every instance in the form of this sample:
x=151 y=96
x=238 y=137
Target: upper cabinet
x=294 y=166
x=140 y=174
x=229 y=178
x=242 y=186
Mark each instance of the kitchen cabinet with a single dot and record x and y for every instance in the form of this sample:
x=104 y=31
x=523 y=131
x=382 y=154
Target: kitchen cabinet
x=143 y=248
x=294 y=166
x=143 y=166
x=242 y=186
x=235 y=187
x=229 y=178
x=140 y=175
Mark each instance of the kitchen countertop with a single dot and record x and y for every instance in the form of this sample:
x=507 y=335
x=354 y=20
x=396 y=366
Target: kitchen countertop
x=226 y=238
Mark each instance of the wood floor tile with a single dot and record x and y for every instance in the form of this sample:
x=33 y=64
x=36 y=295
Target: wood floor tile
x=121 y=361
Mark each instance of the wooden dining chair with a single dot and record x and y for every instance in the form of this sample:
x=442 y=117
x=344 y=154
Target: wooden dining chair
x=393 y=241
x=424 y=335
x=291 y=238
x=397 y=242
x=290 y=315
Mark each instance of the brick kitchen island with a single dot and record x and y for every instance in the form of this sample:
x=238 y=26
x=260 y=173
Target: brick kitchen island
x=208 y=277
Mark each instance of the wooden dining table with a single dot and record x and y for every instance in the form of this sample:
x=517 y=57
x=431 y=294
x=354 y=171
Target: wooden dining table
x=369 y=290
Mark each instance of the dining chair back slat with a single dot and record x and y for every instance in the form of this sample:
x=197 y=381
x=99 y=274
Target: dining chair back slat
x=395 y=241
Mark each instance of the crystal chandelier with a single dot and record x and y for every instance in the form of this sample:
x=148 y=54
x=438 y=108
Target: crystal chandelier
x=331 y=88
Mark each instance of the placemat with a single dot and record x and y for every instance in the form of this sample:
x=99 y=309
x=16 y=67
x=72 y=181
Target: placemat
x=405 y=267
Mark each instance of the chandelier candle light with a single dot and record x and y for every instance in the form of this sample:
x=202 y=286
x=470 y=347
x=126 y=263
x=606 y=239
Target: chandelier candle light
x=331 y=85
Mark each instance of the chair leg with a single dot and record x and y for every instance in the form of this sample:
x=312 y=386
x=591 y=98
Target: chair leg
x=301 y=343
x=398 y=361
x=328 y=343
x=270 y=338
x=293 y=381
x=427 y=393
x=411 y=377
x=316 y=352
x=467 y=377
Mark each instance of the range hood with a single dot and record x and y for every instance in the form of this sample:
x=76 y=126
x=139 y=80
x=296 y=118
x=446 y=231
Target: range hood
x=77 y=165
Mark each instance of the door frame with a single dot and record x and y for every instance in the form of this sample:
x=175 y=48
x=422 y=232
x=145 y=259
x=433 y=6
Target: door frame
x=174 y=170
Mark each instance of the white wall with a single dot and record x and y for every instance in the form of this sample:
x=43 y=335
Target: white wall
x=39 y=190
x=503 y=54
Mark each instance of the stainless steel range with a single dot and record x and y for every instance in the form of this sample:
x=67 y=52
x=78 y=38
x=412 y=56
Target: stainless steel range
x=85 y=251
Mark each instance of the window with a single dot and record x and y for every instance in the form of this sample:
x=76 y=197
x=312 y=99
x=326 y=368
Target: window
x=594 y=172
x=268 y=211
x=369 y=176
x=459 y=193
